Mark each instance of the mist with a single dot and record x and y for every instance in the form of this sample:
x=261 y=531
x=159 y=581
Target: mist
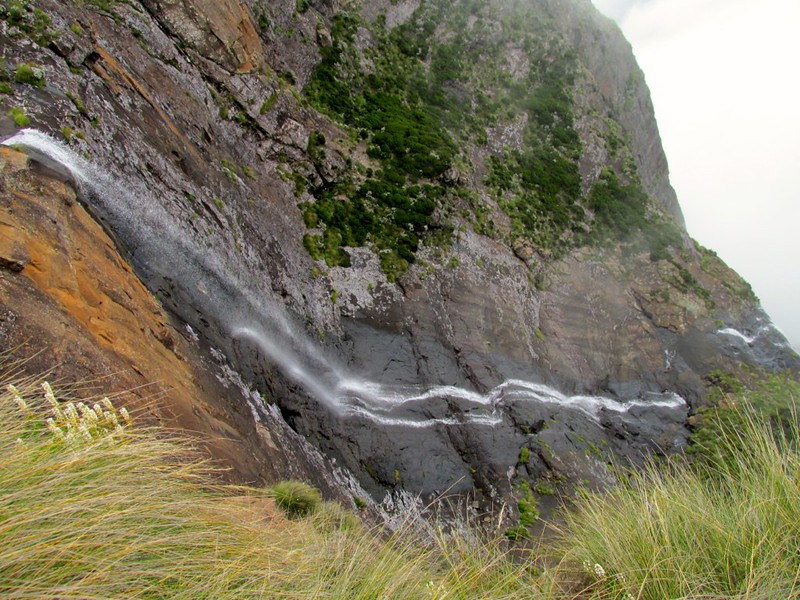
x=721 y=77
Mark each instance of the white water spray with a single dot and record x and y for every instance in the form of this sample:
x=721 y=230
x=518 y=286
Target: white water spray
x=737 y=334
x=162 y=251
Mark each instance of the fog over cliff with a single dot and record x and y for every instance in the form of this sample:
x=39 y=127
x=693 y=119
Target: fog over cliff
x=727 y=114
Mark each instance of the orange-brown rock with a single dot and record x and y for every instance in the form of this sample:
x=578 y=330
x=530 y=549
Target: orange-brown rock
x=71 y=307
x=221 y=30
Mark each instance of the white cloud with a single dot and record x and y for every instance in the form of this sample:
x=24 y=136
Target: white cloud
x=616 y=9
x=722 y=77
x=662 y=19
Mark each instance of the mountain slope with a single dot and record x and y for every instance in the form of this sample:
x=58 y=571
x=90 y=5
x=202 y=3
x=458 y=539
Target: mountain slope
x=440 y=235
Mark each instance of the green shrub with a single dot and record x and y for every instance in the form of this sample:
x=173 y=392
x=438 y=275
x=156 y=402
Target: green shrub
x=517 y=534
x=78 y=102
x=268 y=103
x=313 y=243
x=296 y=498
x=29 y=74
x=527 y=506
x=406 y=136
x=316 y=140
x=104 y=5
x=19 y=117
x=619 y=210
x=393 y=217
x=30 y=21
x=288 y=77
x=230 y=170
x=621 y=215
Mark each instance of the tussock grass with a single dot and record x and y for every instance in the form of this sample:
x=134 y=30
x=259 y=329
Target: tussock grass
x=94 y=507
x=298 y=499
x=91 y=507
x=713 y=529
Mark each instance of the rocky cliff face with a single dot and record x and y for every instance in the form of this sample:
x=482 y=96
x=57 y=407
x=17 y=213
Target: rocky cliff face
x=72 y=308
x=440 y=237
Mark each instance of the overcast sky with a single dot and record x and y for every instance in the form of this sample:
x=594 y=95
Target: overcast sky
x=725 y=82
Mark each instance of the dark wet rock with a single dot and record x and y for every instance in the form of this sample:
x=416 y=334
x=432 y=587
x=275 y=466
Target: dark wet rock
x=196 y=113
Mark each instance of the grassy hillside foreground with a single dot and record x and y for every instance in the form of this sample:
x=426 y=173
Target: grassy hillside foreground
x=92 y=506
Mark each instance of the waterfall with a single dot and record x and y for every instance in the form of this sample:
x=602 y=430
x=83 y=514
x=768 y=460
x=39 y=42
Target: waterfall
x=160 y=250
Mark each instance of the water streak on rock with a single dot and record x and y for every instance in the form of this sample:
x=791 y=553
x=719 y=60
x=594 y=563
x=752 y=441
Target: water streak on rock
x=253 y=325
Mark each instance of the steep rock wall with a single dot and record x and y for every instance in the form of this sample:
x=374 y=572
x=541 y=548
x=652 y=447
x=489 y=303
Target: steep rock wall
x=216 y=155
x=73 y=311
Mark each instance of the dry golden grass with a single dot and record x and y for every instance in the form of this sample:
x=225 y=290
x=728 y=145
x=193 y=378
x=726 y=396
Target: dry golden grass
x=95 y=508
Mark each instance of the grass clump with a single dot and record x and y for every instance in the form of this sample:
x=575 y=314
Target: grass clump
x=29 y=74
x=296 y=498
x=78 y=102
x=721 y=528
x=95 y=507
x=19 y=117
x=527 y=505
x=268 y=104
x=103 y=5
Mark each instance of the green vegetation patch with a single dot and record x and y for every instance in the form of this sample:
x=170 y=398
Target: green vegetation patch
x=296 y=498
x=402 y=132
x=26 y=20
x=765 y=397
x=104 y=5
x=391 y=216
x=619 y=209
x=527 y=505
x=19 y=117
x=391 y=209
x=540 y=192
x=408 y=113
x=269 y=103
x=621 y=214
x=423 y=93
x=724 y=525
x=78 y=102
x=30 y=74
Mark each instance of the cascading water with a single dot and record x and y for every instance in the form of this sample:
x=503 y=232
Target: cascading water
x=161 y=251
